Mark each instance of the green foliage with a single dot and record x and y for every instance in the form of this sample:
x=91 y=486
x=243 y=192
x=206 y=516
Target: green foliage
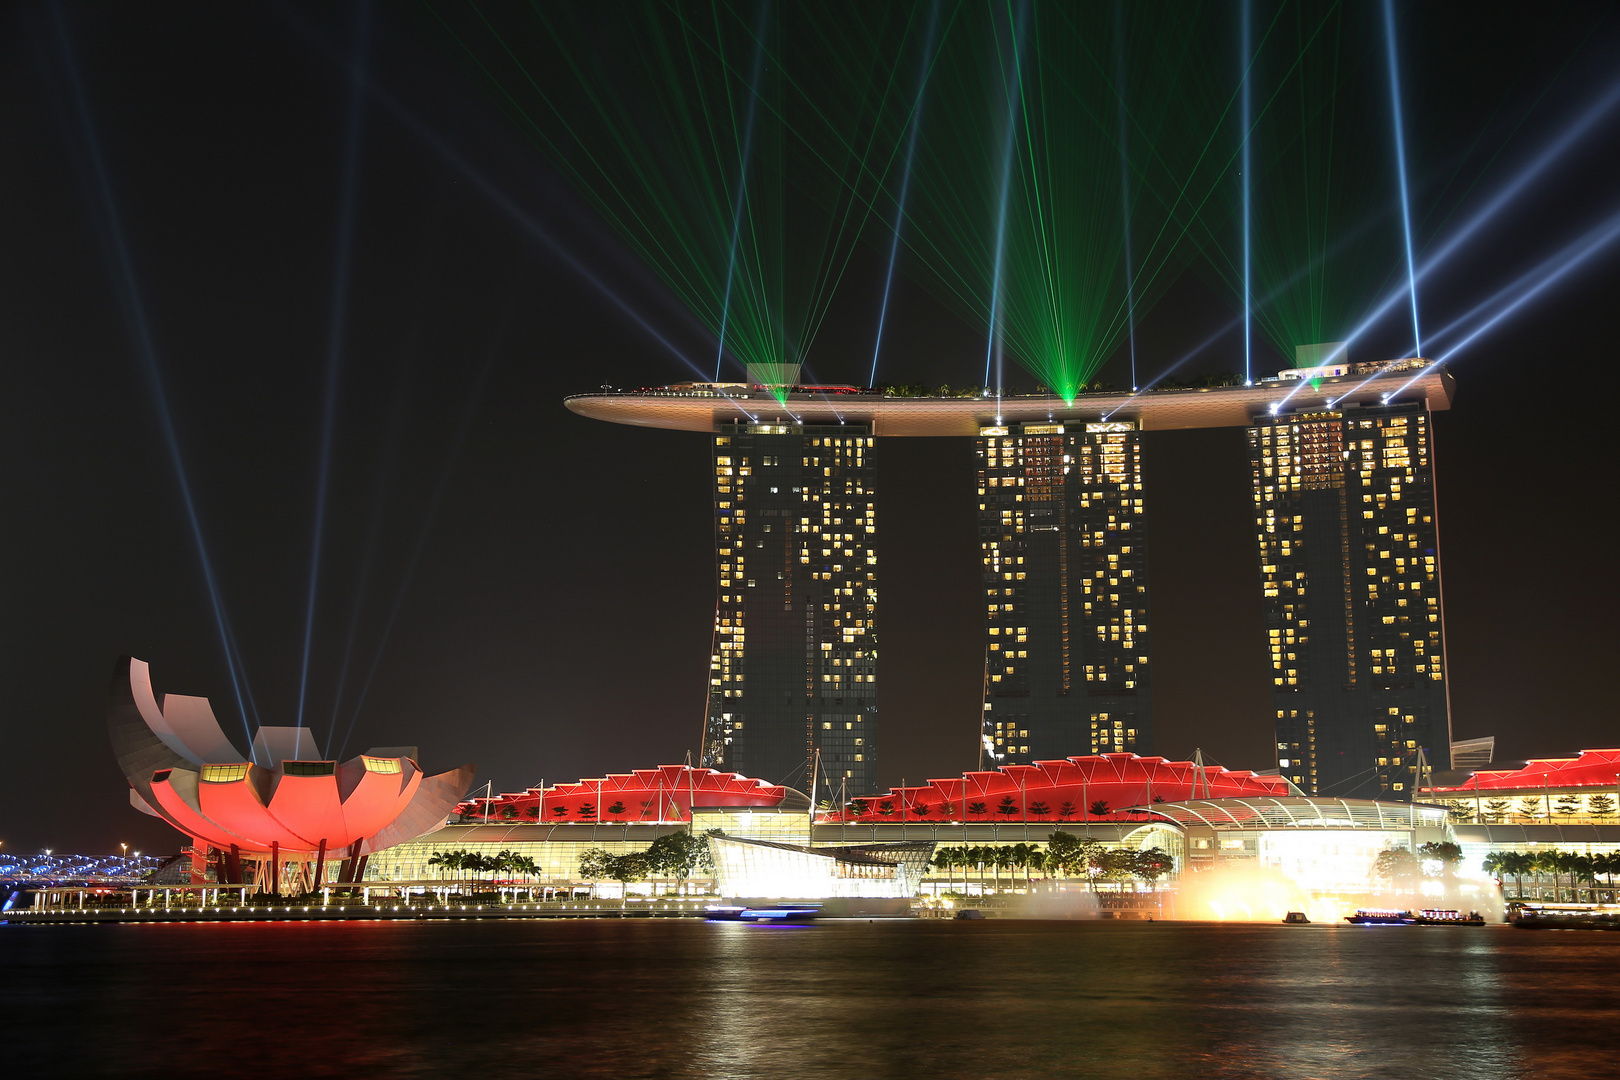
x=1445 y=852
x=1496 y=810
x=1600 y=806
x=1567 y=805
x=1396 y=864
x=678 y=855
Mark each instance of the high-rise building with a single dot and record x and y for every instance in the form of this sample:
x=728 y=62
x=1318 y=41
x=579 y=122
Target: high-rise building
x=1349 y=559
x=794 y=664
x=1062 y=531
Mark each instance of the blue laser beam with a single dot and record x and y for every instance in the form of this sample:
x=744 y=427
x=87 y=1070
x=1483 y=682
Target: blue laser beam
x=1400 y=167
x=1125 y=178
x=1534 y=282
x=342 y=276
x=1508 y=300
x=1014 y=92
x=1248 y=230
x=742 y=185
x=140 y=331
x=1566 y=139
x=905 y=187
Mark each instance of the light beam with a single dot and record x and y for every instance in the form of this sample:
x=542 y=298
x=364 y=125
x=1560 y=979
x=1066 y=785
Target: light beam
x=1400 y=166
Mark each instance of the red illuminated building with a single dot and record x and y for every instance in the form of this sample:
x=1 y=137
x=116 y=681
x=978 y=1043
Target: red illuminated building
x=1092 y=788
x=283 y=801
x=653 y=796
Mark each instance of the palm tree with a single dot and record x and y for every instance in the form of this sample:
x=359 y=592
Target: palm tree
x=1003 y=859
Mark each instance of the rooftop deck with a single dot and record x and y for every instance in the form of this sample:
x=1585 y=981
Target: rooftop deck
x=704 y=409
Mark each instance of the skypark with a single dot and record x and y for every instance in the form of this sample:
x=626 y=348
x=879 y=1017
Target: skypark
x=707 y=406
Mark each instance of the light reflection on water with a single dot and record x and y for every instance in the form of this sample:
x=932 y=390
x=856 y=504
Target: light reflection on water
x=836 y=1000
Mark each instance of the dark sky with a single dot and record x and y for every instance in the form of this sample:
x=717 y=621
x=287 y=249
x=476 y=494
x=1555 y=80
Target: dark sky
x=533 y=591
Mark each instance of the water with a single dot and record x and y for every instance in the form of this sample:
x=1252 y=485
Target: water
x=838 y=1000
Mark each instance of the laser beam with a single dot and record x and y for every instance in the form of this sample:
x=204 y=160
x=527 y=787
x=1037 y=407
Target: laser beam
x=742 y=184
x=1125 y=178
x=1248 y=230
x=905 y=187
x=140 y=331
x=1400 y=168
x=1014 y=93
x=342 y=267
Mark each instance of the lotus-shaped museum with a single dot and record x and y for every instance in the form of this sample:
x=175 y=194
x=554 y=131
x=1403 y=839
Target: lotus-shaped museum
x=282 y=799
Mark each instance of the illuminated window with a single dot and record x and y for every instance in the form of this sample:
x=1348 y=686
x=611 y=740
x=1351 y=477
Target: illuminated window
x=224 y=774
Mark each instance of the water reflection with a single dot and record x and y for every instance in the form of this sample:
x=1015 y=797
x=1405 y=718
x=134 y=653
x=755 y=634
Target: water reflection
x=834 y=1000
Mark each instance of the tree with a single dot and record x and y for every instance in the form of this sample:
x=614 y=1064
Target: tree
x=532 y=812
x=1530 y=807
x=559 y=812
x=1513 y=864
x=1099 y=808
x=617 y=809
x=1117 y=865
x=1568 y=805
x=1460 y=813
x=947 y=810
x=1153 y=864
x=886 y=808
x=1039 y=809
x=1007 y=807
x=977 y=809
x=587 y=811
x=1066 y=810
x=1600 y=806
x=920 y=809
x=593 y=863
x=1396 y=864
x=627 y=868
x=1445 y=852
x=509 y=812
x=678 y=855
x=1496 y=810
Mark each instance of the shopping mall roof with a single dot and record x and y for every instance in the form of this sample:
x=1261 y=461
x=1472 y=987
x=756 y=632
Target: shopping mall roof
x=1588 y=768
x=705 y=407
x=1298 y=811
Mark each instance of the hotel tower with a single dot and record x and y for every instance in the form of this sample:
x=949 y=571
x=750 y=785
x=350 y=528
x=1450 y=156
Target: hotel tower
x=1350 y=570
x=793 y=670
x=1063 y=545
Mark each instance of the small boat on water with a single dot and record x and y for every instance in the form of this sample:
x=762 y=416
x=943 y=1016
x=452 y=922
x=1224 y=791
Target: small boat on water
x=1296 y=918
x=774 y=913
x=1566 y=916
x=1447 y=917
x=1379 y=917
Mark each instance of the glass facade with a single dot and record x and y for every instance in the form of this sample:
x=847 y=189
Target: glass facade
x=794 y=665
x=1062 y=528
x=1349 y=562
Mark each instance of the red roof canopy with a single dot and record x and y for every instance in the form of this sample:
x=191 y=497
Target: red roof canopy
x=1588 y=768
x=1058 y=790
x=664 y=794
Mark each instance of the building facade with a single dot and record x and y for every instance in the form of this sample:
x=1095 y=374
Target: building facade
x=793 y=672
x=1349 y=562
x=1062 y=531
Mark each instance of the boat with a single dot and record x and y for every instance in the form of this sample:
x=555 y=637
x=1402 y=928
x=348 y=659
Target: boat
x=1296 y=918
x=1380 y=917
x=1447 y=917
x=774 y=913
x=1566 y=916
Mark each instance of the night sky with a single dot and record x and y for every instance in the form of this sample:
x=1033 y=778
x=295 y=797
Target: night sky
x=520 y=587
